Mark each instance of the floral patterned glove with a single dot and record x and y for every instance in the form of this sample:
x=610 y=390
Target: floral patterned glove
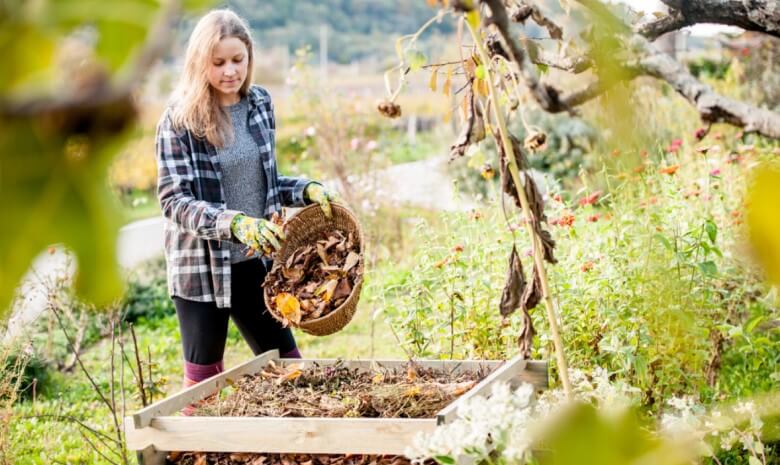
x=259 y=234
x=316 y=193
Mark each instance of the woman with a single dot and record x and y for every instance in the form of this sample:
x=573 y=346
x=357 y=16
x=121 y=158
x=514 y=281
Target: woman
x=217 y=185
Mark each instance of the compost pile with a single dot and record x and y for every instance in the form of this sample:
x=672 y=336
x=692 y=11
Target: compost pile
x=339 y=391
x=315 y=279
x=243 y=458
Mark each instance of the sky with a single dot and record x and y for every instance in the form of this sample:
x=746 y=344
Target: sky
x=649 y=6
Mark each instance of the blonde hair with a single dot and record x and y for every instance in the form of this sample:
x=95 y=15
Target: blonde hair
x=195 y=104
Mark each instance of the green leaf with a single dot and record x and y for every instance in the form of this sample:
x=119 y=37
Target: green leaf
x=751 y=325
x=27 y=49
x=708 y=268
x=667 y=245
x=444 y=459
x=605 y=440
x=118 y=42
x=542 y=68
x=54 y=180
x=480 y=72
x=416 y=59
x=712 y=230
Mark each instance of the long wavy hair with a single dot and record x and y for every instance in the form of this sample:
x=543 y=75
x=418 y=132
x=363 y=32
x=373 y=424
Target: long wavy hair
x=194 y=104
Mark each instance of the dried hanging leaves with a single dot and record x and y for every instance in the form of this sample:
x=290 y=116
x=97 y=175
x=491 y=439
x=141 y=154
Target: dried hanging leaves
x=315 y=279
x=473 y=129
x=532 y=193
x=522 y=294
x=514 y=287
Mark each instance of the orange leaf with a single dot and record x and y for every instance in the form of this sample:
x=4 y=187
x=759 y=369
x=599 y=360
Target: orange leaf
x=289 y=307
x=326 y=290
x=445 y=88
x=434 y=79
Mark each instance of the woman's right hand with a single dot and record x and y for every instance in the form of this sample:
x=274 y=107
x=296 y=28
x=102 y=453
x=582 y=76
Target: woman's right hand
x=259 y=234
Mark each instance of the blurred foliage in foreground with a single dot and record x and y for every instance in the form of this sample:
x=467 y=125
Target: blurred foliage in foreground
x=66 y=107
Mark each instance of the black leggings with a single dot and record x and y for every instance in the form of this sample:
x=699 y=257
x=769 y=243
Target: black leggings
x=204 y=326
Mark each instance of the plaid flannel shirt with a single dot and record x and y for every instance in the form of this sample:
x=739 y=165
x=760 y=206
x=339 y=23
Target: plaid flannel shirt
x=189 y=188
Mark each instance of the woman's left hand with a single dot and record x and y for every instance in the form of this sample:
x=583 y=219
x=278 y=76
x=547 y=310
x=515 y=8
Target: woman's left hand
x=318 y=194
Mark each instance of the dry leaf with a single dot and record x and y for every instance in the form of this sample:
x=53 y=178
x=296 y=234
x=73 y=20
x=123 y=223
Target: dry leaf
x=289 y=307
x=413 y=391
x=352 y=260
x=200 y=459
x=290 y=376
x=445 y=88
x=326 y=290
x=321 y=252
x=514 y=286
x=434 y=78
x=411 y=373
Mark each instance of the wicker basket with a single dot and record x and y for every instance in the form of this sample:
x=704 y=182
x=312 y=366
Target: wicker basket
x=308 y=223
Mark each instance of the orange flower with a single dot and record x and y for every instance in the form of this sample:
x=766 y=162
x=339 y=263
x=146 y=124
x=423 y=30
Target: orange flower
x=591 y=199
x=567 y=219
x=670 y=170
x=587 y=266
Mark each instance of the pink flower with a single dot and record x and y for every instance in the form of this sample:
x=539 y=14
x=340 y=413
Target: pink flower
x=311 y=131
x=354 y=144
x=371 y=145
x=674 y=146
x=700 y=133
x=715 y=172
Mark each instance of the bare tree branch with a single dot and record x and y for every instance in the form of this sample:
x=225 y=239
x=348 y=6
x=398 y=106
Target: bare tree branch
x=545 y=95
x=522 y=11
x=572 y=64
x=671 y=22
x=539 y=56
x=752 y=15
x=711 y=106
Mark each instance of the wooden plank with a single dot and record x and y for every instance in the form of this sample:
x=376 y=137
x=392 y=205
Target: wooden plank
x=201 y=390
x=279 y=435
x=511 y=369
x=150 y=456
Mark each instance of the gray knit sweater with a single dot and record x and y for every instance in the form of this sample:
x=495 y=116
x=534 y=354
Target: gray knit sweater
x=243 y=177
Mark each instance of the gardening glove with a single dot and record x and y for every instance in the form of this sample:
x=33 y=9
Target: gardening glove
x=259 y=234
x=316 y=193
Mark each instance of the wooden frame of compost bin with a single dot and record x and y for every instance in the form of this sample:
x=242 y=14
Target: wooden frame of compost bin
x=152 y=430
